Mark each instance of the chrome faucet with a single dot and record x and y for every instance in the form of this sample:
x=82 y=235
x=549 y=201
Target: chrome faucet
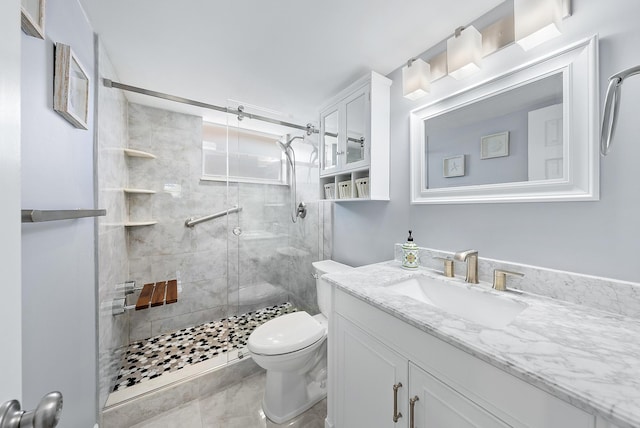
x=471 y=257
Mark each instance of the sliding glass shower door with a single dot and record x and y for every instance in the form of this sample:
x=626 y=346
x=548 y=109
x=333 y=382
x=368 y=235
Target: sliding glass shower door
x=258 y=231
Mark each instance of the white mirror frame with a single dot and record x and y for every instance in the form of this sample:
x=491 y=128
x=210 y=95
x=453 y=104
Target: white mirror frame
x=579 y=66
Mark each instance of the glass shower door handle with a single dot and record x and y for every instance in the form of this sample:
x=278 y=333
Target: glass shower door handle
x=46 y=415
x=236 y=231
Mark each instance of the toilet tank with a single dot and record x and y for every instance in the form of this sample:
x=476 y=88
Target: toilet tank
x=323 y=289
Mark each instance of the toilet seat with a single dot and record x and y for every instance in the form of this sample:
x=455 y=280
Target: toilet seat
x=286 y=334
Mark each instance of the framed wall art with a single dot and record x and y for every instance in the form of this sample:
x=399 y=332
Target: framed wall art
x=71 y=87
x=453 y=166
x=32 y=18
x=494 y=145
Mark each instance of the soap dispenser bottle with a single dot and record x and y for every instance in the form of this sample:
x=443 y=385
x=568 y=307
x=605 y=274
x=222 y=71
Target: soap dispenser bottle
x=409 y=254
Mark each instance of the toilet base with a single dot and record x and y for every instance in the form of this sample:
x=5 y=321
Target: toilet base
x=288 y=395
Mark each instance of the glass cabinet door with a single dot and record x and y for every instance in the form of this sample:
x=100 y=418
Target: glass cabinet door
x=330 y=140
x=356 y=121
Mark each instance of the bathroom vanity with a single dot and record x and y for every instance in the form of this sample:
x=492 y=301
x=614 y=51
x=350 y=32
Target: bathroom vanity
x=400 y=356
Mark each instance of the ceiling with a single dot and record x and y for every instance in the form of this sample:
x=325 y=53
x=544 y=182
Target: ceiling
x=288 y=56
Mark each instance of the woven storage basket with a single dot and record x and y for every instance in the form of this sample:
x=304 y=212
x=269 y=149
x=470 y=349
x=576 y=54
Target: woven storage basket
x=344 y=188
x=329 y=190
x=362 y=185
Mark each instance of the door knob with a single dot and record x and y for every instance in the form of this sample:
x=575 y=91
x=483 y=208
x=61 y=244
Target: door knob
x=46 y=415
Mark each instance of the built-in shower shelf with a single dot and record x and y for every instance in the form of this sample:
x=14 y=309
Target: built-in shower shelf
x=158 y=294
x=139 y=191
x=139 y=223
x=138 y=154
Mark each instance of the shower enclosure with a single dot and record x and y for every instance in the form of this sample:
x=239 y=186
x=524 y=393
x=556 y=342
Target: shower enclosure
x=251 y=257
x=270 y=247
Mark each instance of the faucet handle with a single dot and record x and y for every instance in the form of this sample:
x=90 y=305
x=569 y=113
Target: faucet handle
x=448 y=266
x=500 y=278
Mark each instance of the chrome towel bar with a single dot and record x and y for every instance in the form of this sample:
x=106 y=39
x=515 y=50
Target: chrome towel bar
x=37 y=216
x=611 y=107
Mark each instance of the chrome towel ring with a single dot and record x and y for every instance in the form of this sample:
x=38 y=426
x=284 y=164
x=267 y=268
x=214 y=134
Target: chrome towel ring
x=611 y=107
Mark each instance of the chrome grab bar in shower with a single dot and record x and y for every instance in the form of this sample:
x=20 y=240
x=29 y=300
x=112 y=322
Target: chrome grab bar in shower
x=611 y=107
x=37 y=216
x=190 y=222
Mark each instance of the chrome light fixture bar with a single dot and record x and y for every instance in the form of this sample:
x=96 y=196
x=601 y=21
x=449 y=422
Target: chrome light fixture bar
x=532 y=23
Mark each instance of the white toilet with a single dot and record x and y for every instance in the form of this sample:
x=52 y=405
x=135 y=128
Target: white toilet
x=293 y=350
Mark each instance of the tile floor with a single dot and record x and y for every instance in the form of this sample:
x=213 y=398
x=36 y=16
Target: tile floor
x=150 y=358
x=238 y=406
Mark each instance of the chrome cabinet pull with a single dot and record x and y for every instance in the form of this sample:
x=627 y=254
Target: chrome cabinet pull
x=396 y=414
x=412 y=405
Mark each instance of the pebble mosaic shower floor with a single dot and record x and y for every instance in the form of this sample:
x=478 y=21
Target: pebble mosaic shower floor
x=149 y=358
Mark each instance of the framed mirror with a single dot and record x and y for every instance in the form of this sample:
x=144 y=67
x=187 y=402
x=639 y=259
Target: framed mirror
x=528 y=135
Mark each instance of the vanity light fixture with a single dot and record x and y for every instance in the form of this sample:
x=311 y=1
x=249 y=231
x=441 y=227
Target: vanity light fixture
x=464 y=52
x=536 y=21
x=416 y=79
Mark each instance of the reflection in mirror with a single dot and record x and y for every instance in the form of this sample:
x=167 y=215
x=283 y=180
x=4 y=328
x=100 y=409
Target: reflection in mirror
x=356 y=113
x=510 y=137
x=330 y=124
x=527 y=135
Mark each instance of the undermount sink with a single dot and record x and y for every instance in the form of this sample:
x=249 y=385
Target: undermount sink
x=466 y=301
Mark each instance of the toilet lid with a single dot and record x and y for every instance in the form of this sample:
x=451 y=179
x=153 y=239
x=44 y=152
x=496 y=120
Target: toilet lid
x=287 y=333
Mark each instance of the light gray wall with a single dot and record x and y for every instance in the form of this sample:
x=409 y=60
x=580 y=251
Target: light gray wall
x=10 y=304
x=58 y=263
x=599 y=238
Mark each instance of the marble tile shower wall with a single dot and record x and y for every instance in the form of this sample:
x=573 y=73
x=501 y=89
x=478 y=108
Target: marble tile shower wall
x=113 y=265
x=158 y=252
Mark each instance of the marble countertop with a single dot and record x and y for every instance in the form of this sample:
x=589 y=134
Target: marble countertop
x=587 y=357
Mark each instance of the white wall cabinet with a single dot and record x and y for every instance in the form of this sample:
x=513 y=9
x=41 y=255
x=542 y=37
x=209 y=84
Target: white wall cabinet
x=370 y=351
x=354 y=141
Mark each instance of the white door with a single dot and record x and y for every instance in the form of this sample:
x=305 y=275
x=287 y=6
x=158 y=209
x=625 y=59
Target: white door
x=437 y=405
x=367 y=372
x=10 y=303
x=546 y=151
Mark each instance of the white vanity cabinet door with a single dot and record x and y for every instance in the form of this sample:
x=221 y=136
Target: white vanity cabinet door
x=441 y=406
x=367 y=370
